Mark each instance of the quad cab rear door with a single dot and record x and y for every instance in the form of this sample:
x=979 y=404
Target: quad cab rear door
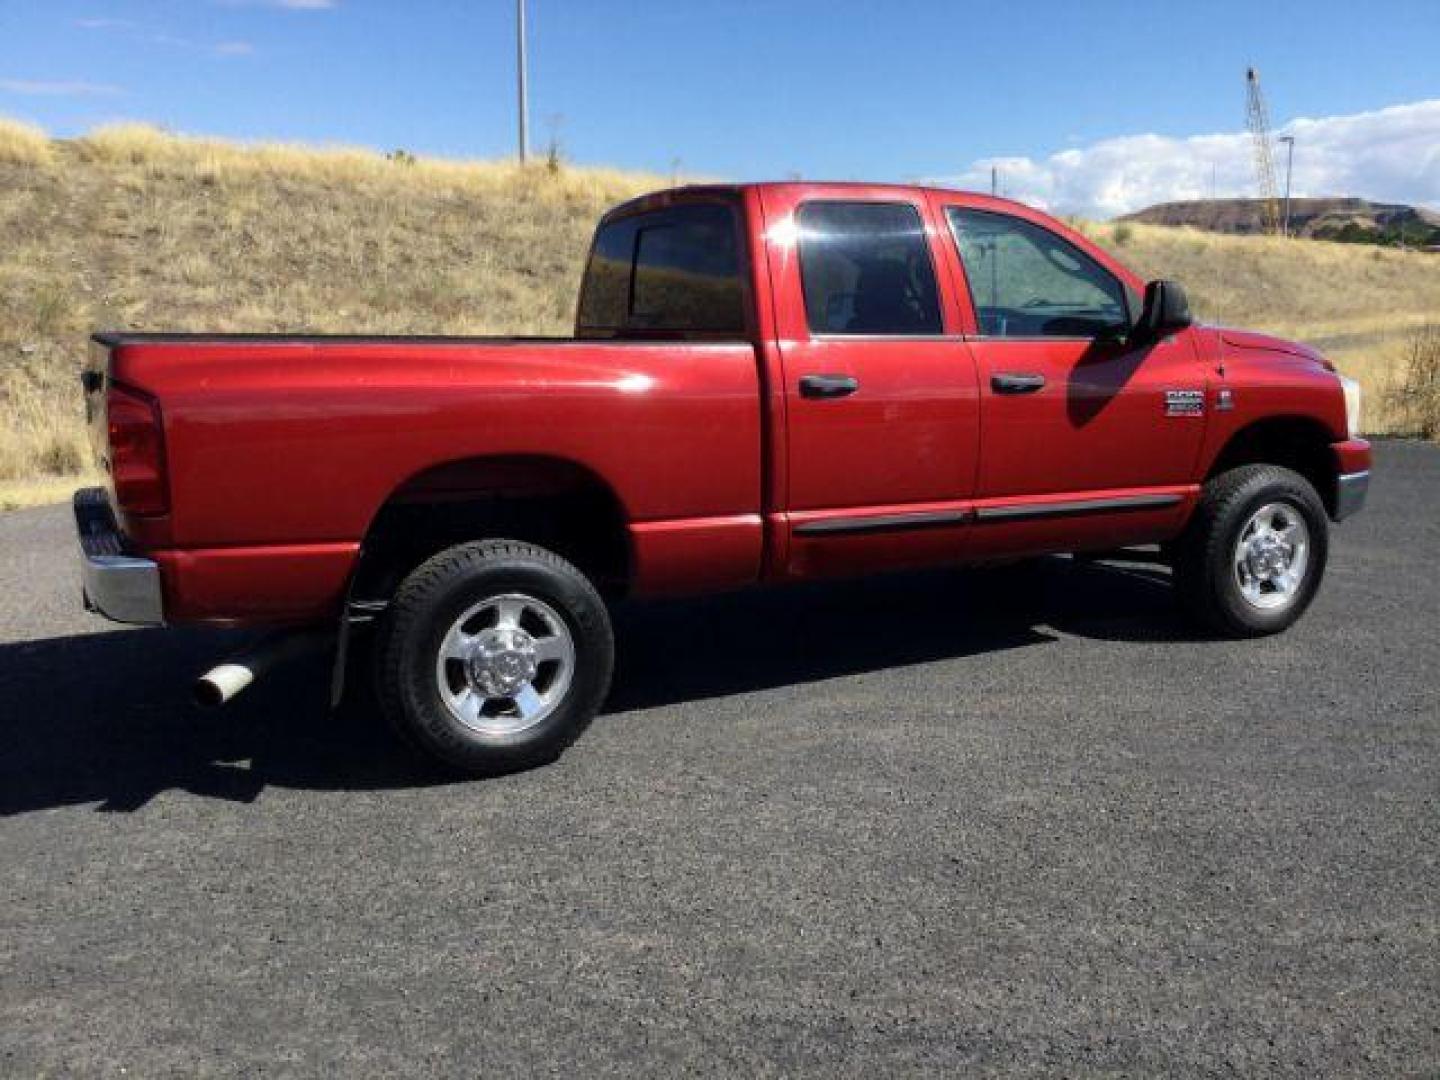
x=880 y=394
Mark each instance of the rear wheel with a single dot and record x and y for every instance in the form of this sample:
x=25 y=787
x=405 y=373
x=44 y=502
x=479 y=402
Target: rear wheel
x=1254 y=554
x=494 y=656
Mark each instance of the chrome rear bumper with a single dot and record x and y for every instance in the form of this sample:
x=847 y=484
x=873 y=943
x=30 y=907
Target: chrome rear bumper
x=119 y=586
x=1350 y=492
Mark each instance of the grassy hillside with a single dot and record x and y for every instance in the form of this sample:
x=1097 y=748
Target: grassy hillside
x=131 y=228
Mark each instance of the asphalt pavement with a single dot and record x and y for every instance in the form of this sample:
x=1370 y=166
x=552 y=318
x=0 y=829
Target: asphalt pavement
x=940 y=823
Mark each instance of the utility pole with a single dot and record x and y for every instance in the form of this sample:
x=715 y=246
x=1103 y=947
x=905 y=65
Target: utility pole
x=1289 y=141
x=520 y=74
x=994 y=180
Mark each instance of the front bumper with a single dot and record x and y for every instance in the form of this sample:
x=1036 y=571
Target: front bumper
x=1352 y=477
x=118 y=585
x=1350 y=492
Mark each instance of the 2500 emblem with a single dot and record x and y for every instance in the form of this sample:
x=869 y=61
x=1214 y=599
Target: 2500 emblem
x=1184 y=402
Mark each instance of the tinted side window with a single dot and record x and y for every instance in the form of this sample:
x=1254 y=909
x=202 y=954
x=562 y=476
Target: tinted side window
x=866 y=269
x=605 y=289
x=1027 y=282
x=671 y=270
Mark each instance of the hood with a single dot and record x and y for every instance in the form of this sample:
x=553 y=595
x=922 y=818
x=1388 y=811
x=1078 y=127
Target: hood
x=1249 y=339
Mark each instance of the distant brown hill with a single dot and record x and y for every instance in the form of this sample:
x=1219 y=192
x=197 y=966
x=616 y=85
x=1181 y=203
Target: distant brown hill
x=1353 y=220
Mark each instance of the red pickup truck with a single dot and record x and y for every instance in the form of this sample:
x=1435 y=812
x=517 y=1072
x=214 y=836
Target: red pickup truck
x=767 y=383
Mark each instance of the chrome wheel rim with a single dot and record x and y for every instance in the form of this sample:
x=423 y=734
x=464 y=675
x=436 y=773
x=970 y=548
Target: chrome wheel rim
x=1272 y=556
x=505 y=664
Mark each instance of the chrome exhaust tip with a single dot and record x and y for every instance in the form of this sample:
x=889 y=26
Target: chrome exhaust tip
x=221 y=683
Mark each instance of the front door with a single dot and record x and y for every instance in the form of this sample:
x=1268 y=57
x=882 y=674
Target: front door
x=1068 y=409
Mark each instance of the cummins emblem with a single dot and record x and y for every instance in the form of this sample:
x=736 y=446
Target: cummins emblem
x=1184 y=402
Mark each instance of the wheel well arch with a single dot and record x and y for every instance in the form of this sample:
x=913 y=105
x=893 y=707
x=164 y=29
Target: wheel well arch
x=554 y=502
x=1299 y=443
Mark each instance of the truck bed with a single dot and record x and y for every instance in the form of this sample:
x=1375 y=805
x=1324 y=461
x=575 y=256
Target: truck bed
x=283 y=449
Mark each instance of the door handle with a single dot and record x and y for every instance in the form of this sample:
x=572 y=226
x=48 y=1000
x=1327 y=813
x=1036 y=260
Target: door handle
x=1016 y=384
x=828 y=386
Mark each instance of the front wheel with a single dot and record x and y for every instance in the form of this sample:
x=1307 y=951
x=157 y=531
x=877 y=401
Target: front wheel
x=1252 y=558
x=494 y=656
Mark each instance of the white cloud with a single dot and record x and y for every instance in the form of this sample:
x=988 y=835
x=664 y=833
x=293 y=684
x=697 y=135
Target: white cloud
x=289 y=5
x=61 y=88
x=1391 y=155
x=103 y=24
x=135 y=32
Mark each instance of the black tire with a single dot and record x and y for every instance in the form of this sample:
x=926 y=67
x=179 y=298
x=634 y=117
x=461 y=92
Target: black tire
x=424 y=609
x=1206 y=580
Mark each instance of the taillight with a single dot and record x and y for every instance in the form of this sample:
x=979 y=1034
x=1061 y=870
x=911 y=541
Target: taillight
x=137 y=452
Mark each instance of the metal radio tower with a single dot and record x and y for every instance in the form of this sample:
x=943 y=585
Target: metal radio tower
x=1257 y=119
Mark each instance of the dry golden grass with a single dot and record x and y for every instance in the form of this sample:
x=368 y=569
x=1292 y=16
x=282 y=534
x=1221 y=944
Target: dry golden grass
x=133 y=228
x=18 y=494
x=24 y=144
x=210 y=161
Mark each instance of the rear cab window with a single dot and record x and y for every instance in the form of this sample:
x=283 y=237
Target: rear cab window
x=865 y=268
x=674 y=272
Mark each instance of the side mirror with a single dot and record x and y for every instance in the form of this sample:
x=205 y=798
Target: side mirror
x=1166 y=309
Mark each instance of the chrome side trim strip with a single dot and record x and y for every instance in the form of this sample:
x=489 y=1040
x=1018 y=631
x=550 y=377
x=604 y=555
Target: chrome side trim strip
x=842 y=526
x=936 y=519
x=1030 y=511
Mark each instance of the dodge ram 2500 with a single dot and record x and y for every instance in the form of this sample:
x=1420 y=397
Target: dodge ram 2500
x=767 y=383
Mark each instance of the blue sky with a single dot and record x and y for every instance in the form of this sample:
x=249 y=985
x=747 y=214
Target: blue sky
x=742 y=88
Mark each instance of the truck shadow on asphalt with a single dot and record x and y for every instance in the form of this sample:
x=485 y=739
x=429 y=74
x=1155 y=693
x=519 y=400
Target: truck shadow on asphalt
x=106 y=717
